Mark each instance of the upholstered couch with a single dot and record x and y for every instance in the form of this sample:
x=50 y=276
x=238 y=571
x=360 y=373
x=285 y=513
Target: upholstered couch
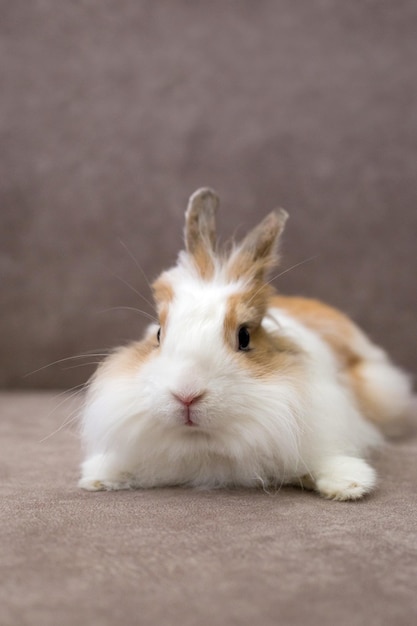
x=111 y=115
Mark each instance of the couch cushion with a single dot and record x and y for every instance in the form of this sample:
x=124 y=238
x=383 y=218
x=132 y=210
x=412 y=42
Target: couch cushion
x=177 y=556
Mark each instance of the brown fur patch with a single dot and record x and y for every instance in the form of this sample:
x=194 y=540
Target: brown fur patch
x=126 y=359
x=334 y=327
x=267 y=354
x=372 y=404
x=271 y=355
x=247 y=308
x=242 y=266
x=204 y=262
x=368 y=403
x=344 y=337
x=162 y=290
x=163 y=294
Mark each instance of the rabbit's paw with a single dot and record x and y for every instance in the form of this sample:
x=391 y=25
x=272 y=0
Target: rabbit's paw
x=99 y=474
x=344 y=478
x=95 y=484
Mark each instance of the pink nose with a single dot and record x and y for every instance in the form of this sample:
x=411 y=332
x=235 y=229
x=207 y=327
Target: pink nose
x=187 y=399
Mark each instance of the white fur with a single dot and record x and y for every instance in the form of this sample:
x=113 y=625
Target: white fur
x=251 y=431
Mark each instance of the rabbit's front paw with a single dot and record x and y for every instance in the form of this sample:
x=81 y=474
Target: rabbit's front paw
x=344 y=478
x=100 y=473
x=95 y=484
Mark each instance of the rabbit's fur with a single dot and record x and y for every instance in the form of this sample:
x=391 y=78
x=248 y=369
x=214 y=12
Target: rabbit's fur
x=238 y=386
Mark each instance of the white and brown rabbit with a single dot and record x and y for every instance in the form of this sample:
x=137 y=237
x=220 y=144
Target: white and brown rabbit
x=238 y=386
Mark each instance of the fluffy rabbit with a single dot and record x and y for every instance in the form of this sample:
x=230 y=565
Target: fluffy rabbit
x=238 y=386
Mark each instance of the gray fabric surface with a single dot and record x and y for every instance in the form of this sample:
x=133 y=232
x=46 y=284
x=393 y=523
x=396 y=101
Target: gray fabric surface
x=177 y=556
x=111 y=114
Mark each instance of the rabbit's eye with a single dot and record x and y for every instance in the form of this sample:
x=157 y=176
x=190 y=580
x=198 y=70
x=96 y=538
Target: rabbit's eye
x=158 y=335
x=243 y=338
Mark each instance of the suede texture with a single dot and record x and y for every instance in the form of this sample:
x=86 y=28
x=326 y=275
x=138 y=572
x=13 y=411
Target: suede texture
x=180 y=556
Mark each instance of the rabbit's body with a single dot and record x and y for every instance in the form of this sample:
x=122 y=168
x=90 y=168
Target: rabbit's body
x=239 y=387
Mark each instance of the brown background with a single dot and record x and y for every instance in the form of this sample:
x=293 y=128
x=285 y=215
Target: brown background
x=113 y=113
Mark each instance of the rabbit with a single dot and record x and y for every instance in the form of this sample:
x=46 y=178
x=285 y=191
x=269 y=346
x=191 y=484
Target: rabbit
x=237 y=386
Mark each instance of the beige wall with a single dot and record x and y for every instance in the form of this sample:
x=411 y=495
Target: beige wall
x=111 y=114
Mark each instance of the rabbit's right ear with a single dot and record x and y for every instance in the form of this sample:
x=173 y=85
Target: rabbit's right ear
x=200 y=229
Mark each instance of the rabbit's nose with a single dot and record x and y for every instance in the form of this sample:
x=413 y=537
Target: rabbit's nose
x=187 y=398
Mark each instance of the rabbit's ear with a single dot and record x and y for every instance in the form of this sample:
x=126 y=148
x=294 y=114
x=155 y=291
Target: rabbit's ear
x=200 y=228
x=258 y=252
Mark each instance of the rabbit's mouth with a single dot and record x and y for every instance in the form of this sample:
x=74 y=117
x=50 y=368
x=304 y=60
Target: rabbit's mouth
x=188 y=419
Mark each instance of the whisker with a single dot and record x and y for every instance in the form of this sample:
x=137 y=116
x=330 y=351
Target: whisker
x=293 y=267
x=71 y=394
x=133 y=289
x=76 y=388
x=131 y=308
x=68 y=422
x=68 y=358
x=73 y=367
x=136 y=262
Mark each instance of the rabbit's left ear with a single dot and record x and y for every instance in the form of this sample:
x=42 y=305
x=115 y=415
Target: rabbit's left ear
x=258 y=252
x=200 y=228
